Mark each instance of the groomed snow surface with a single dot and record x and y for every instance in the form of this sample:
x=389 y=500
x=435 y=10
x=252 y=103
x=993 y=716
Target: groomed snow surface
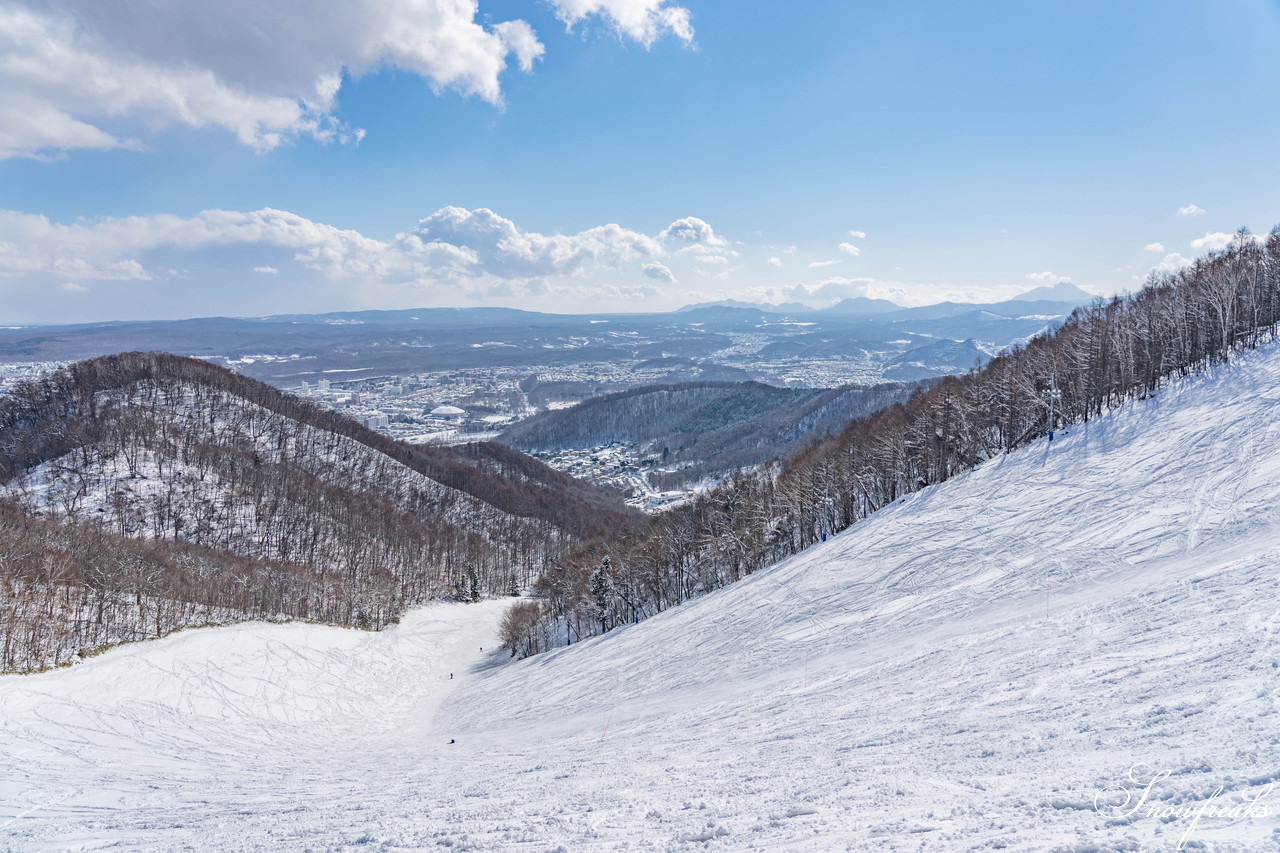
x=964 y=671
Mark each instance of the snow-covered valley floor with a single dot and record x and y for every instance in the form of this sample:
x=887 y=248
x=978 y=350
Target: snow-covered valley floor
x=967 y=670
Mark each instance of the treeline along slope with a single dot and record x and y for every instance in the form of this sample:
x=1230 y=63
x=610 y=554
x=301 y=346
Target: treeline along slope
x=1105 y=354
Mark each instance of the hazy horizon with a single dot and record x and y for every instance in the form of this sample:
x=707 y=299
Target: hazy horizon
x=688 y=306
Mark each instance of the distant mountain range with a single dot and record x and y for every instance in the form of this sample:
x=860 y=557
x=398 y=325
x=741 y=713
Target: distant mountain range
x=777 y=344
x=1062 y=294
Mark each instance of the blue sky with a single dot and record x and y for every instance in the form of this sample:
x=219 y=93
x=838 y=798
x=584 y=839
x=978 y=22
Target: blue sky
x=174 y=159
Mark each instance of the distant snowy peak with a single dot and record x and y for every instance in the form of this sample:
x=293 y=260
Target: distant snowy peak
x=863 y=305
x=1063 y=291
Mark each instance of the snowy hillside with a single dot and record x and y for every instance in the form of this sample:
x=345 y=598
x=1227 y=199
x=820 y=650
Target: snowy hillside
x=966 y=670
x=699 y=430
x=211 y=466
x=281 y=509
x=148 y=487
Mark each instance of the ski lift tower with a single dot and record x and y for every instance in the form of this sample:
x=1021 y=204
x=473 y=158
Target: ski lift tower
x=1052 y=394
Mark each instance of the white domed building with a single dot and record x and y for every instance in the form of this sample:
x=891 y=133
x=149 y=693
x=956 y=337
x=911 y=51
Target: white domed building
x=449 y=413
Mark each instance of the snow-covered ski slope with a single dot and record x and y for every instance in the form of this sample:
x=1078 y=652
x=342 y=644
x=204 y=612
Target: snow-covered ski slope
x=964 y=671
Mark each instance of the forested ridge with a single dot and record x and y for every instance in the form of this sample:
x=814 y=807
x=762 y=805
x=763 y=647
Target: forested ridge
x=1105 y=354
x=250 y=503
x=702 y=429
x=43 y=420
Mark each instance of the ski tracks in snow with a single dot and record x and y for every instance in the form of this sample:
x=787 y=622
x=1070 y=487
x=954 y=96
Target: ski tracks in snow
x=966 y=670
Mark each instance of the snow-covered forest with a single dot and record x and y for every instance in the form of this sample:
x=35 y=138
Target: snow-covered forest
x=694 y=430
x=1103 y=355
x=246 y=503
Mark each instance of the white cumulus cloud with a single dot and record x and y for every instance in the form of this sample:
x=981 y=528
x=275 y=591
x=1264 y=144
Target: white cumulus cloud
x=466 y=250
x=1153 y=247
x=1172 y=263
x=849 y=249
x=88 y=74
x=501 y=249
x=1192 y=210
x=658 y=271
x=643 y=20
x=1212 y=242
x=1219 y=240
x=836 y=288
x=858 y=235
x=820 y=264
x=695 y=231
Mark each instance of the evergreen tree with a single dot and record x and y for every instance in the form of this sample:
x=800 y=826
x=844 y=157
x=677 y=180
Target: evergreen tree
x=602 y=593
x=473 y=584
